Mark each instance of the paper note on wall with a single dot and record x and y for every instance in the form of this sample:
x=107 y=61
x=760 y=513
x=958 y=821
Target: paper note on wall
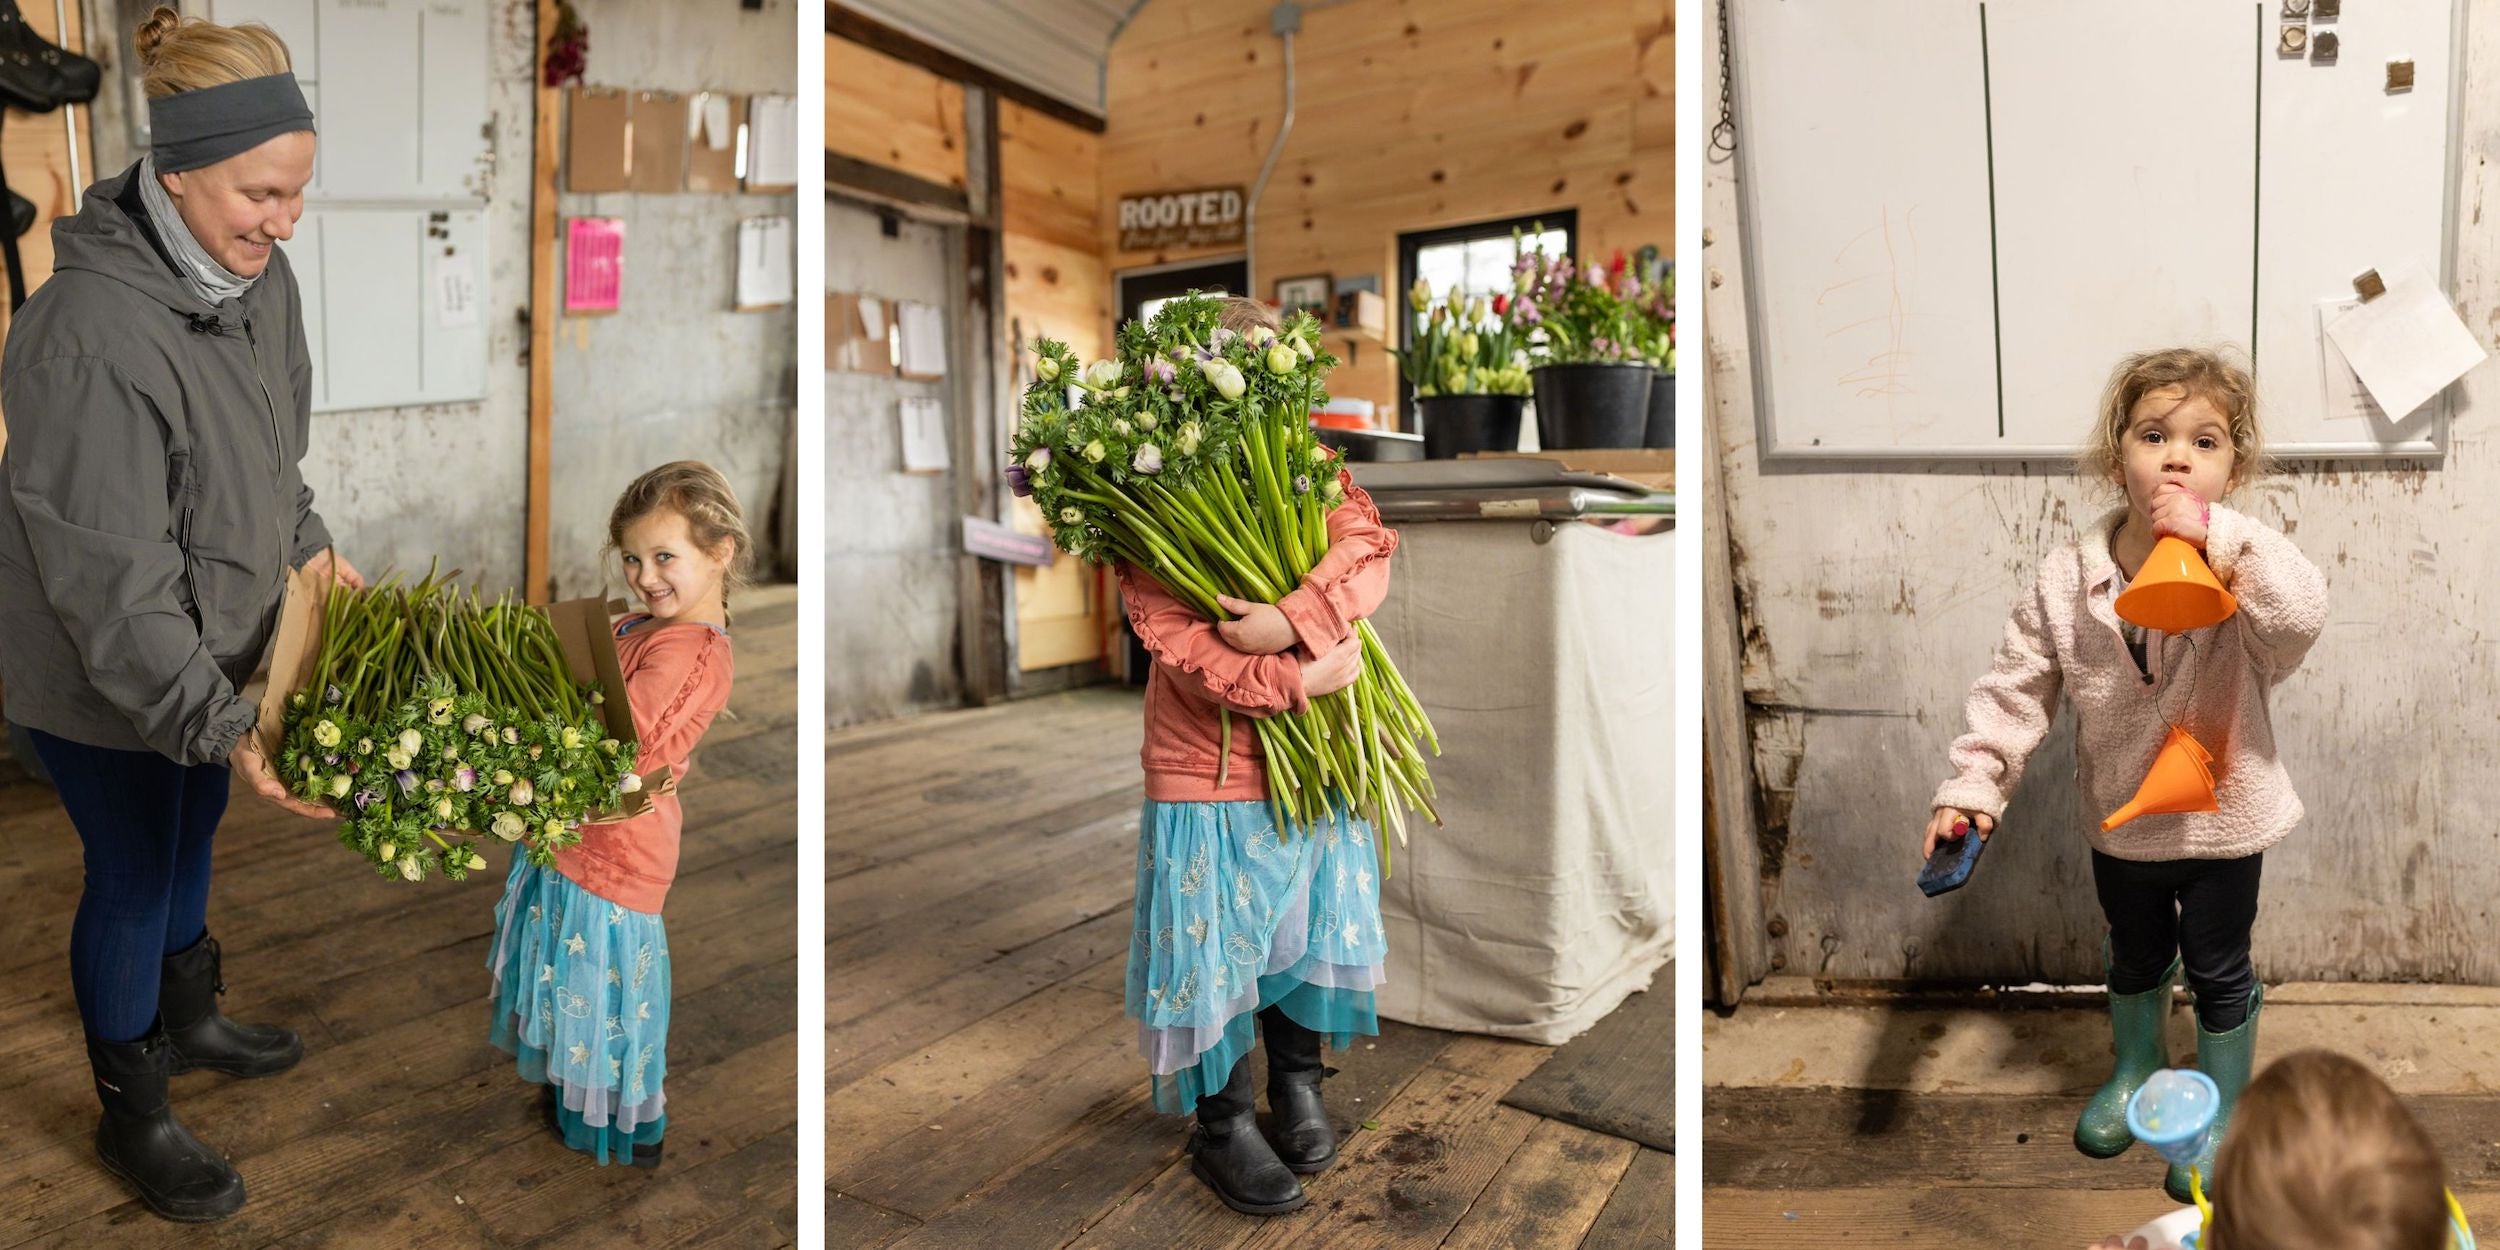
x=2407 y=344
x=924 y=435
x=923 y=332
x=594 y=264
x=2345 y=398
x=767 y=267
x=455 y=291
x=773 y=133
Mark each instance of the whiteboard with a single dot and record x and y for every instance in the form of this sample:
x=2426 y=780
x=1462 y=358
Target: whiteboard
x=397 y=193
x=411 y=339
x=408 y=120
x=1960 y=215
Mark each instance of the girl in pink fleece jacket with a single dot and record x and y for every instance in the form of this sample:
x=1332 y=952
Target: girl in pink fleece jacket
x=2177 y=429
x=1237 y=919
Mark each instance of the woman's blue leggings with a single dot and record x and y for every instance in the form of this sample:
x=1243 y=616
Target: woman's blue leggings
x=146 y=823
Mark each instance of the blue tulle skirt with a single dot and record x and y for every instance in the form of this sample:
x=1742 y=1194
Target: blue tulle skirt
x=581 y=1003
x=1234 y=915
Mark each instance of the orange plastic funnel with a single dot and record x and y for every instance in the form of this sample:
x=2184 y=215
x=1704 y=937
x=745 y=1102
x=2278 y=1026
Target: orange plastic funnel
x=2181 y=780
x=2176 y=591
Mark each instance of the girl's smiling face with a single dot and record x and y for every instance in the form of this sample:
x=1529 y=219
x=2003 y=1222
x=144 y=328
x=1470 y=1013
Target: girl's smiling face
x=676 y=579
x=2174 y=437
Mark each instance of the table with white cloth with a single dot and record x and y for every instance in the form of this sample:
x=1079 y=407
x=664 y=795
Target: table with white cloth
x=1542 y=646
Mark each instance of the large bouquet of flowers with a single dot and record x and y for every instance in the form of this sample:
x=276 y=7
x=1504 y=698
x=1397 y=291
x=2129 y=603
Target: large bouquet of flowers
x=1191 y=457
x=434 y=720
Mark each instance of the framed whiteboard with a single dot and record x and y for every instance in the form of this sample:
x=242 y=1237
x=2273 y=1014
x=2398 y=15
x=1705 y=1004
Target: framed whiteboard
x=1960 y=214
x=390 y=252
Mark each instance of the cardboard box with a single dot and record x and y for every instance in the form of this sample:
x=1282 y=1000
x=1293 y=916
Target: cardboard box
x=582 y=630
x=1653 y=467
x=597 y=139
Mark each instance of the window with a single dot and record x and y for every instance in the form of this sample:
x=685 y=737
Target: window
x=1476 y=259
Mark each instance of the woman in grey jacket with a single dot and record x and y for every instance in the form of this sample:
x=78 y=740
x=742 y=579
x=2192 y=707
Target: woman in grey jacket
x=158 y=394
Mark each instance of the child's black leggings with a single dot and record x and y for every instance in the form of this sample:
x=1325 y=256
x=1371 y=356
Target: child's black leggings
x=2200 y=910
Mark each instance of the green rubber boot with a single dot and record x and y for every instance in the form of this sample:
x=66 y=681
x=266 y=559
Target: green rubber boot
x=2136 y=1021
x=2228 y=1058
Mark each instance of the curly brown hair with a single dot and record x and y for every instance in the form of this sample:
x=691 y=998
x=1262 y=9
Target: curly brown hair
x=2195 y=373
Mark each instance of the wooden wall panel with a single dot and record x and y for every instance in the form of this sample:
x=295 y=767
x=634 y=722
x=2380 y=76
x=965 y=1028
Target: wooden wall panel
x=35 y=148
x=1408 y=116
x=894 y=114
x=1058 y=286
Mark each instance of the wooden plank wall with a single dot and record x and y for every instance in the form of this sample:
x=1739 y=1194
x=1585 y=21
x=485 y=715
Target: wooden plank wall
x=1410 y=115
x=887 y=112
x=35 y=149
x=1058 y=286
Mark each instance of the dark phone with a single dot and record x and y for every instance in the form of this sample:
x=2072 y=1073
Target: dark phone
x=1952 y=863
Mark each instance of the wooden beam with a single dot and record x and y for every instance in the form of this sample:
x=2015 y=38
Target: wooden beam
x=980 y=583
x=543 y=311
x=868 y=32
x=916 y=196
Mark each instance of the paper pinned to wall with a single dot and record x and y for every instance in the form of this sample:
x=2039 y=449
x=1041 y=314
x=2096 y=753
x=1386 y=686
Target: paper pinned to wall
x=923 y=328
x=455 y=290
x=767 y=265
x=2408 y=344
x=594 y=265
x=773 y=136
x=2345 y=398
x=710 y=121
x=924 y=435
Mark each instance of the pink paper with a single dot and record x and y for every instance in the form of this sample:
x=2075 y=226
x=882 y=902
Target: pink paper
x=594 y=269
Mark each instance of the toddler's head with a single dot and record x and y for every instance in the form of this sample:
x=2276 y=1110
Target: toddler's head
x=2322 y=1154
x=683 y=541
x=2183 y=415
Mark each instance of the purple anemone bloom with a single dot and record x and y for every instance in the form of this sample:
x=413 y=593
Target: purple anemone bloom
x=407 y=781
x=1020 y=480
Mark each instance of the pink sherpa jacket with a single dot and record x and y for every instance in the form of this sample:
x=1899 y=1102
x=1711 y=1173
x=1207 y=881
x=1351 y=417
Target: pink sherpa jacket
x=2213 y=682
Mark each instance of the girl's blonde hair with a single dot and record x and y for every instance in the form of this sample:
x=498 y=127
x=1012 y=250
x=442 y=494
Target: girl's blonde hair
x=696 y=491
x=2321 y=1153
x=2196 y=374
x=188 y=53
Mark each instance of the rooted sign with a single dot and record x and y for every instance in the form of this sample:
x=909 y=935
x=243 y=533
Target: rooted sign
x=1201 y=218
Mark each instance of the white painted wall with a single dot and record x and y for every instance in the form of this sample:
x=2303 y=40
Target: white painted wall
x=1870 y=597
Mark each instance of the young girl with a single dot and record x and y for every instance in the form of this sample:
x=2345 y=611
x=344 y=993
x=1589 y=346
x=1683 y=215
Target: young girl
x=581 y=958
x=1236 y=918
x=2177 y=429
x=2322 y=1153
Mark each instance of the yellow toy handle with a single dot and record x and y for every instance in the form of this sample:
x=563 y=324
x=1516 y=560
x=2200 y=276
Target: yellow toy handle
x=2463 y=1238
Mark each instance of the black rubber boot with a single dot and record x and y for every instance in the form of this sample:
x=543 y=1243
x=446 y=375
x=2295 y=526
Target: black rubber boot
x=1230 y=1156
x=200 y=1037
x=1298 y=1124
x=139 y=1140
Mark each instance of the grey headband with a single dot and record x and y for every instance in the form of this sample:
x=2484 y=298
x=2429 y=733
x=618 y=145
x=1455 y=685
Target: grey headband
x=190 y=129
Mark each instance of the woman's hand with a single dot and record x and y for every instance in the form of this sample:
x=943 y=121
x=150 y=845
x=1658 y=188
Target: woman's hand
x=328 y=562
x=1951 y=824
x=252 y=769
x=2116 y=1242
x=1335 y=671
x=1260 y=630
x=2178 y=513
